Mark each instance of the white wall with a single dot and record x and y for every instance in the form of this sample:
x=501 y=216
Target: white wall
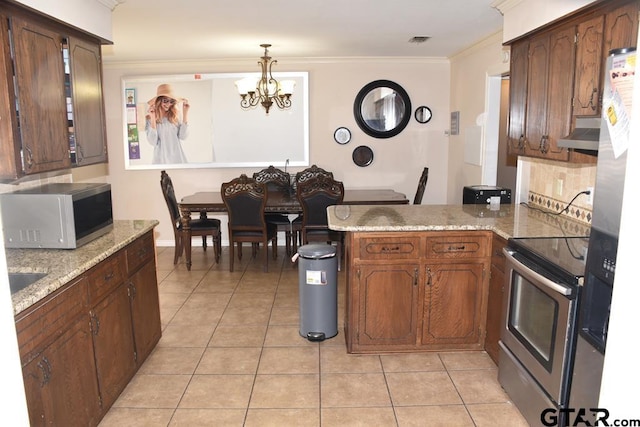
x=333 y=85
x=471 y=72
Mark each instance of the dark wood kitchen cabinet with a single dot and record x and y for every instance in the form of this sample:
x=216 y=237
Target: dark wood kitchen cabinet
x=111 y=327
x=416 y=291
x=81 y=345
x=143 y=296
x=41 y=103
x=48 y=113
x=556 y=74
x=494 y=302
x=58 y=365
x=88 y=145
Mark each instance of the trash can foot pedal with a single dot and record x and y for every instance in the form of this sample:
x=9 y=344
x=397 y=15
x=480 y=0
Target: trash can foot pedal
x=315 y=336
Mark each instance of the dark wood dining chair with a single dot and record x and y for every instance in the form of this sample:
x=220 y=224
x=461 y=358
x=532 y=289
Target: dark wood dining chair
x=315 y=195
x=277 y=180
x=202 y=226
x=245 y=200
x=422 y=184
x=311 y=172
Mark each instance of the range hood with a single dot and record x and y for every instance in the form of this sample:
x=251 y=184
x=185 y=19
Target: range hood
x=585 y=137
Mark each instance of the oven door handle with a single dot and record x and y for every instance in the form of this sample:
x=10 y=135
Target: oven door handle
x=538 y=278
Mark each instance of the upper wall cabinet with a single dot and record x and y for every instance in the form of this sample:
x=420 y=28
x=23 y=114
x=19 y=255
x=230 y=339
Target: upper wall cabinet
x=52 y=107
x=556 y=75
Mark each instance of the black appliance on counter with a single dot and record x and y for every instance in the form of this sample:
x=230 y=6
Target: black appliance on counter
x=481 y=194
x=538 y=331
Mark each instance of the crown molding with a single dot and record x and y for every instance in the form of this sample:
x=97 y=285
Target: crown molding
x=505 y=5
x=111 y=4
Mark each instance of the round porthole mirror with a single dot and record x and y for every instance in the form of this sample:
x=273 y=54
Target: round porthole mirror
x=382 y=109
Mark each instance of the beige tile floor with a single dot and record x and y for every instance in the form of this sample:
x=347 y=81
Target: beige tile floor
x=231 y=355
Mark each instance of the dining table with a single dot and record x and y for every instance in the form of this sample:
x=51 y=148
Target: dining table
x=280 y=201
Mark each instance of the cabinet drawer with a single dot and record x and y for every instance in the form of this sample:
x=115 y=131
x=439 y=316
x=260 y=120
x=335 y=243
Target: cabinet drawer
x=139 y=252
x=375 y=248
x=105 y=277
x=466 y=245
x=45 y=321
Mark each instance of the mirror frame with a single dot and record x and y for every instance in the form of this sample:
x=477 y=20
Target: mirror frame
x=361 y=96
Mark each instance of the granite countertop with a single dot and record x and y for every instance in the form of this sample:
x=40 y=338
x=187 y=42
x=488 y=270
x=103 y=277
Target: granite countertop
x=507 y=221
x=63 y=265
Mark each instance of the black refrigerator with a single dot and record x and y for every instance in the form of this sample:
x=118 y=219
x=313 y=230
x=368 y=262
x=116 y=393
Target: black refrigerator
x=600 y=268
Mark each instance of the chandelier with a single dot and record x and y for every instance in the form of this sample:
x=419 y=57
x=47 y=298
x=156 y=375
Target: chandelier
x=266 y=91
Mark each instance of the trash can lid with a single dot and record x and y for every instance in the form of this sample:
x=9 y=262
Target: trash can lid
x=317 y=251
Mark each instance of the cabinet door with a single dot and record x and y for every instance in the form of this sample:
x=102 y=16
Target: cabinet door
x=388 y=305
x=145 y=310
x=10 y=165
x=60 y=384
x=537 y=89
x=586 y=92
x=88 y=106
x=39 y=70
x=621 y=27
x=453 y=305
x=518 y=76
x=559 y=92
x=113 y=343
x=494 y=301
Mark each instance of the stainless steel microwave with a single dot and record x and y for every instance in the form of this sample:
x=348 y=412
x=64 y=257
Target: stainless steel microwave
x=56 y=216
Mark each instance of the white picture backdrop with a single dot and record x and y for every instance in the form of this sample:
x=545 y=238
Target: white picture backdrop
x=221 y=133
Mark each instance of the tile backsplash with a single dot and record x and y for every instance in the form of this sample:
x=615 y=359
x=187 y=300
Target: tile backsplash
x=552 y=186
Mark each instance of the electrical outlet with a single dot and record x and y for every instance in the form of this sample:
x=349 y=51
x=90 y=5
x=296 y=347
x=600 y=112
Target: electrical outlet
x=590 y=196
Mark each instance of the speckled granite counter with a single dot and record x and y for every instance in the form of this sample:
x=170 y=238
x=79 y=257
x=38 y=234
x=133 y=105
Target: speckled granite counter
x=508 y=221
x=63 y=265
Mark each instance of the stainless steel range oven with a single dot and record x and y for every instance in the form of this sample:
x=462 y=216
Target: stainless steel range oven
x=543 y=278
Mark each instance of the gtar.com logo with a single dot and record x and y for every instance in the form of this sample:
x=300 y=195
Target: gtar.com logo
x=575 y=417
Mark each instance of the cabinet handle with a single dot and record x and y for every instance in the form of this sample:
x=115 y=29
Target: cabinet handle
x=45 y=367
x=392 y=249
x=415 y=276
x=521 y=142
x=109 y=276
x=592 y=104
x=95 y=324
x=544 y=144
x=456 y=248
x=79 y=153
x=429 y=277
x=132 y=291
x=29 y=157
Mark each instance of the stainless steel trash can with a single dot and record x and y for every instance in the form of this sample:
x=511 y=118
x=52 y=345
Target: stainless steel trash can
x=318 y=282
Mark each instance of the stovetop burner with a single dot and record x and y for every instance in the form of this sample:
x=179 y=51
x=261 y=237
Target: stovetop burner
x=564 y=256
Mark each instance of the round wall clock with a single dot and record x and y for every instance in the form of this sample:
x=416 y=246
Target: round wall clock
x=422 y=114
x=342 y=135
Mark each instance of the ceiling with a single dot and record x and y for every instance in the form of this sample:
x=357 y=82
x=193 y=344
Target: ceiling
x=222 y=29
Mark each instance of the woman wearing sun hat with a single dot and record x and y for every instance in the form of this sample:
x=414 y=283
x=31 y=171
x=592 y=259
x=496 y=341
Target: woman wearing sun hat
x=165 y=130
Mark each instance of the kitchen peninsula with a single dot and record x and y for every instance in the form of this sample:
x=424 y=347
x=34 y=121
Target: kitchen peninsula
x=86 y=327
x=429 y=277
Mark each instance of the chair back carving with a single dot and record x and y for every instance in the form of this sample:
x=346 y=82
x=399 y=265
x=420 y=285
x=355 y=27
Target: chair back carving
x=422 y=184
x=312 y=172
x=274 y=178
x=315 y=195
x=170 y=198
x=245 y=199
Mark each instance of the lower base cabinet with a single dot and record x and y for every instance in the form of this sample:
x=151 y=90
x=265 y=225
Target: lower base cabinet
x=81 y=345
x=416 y=291
x=496 y=291
x=60 y=383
